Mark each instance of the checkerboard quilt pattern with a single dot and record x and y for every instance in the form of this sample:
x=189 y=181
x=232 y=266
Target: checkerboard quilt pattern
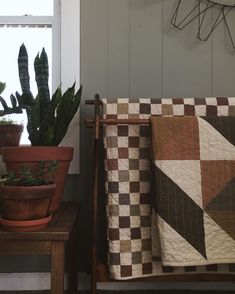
x=128 y=180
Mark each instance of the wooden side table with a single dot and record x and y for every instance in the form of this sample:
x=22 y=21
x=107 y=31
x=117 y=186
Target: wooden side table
x=50 y=241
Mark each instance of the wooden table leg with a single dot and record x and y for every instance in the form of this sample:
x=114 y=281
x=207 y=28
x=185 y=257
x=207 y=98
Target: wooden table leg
x=72 y=261
x=57 y=267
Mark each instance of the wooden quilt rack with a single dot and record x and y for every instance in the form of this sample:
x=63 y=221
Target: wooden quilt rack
x=99 y=267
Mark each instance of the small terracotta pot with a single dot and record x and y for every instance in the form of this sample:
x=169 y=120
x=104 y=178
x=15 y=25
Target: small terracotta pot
x=16 y=157
x=26 y=203
x=10 y=135
x=25 y=226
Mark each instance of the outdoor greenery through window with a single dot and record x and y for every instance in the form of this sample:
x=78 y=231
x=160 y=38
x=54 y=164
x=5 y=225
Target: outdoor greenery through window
x=36 y=24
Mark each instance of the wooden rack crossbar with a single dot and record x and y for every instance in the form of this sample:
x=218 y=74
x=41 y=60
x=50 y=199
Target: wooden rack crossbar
x=121 y=121
x=111 y=121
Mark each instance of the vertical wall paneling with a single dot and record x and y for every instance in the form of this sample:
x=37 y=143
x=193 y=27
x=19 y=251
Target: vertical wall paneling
x=146 y=48
x=186 y=60
x=94 y=80
x=224 y=58
x=94 y=46
x=118 y=48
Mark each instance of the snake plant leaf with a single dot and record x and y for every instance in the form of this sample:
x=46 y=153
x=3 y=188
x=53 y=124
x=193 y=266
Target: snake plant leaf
x=66 y=111
x=2 y=87
x=50 y=116
x=13 y=101
x=4 y=104
x=23 y=69
x=47 y=137
x=41 y=76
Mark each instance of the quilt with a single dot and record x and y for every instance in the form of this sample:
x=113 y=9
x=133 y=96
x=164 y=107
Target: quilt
x=194 y=169
x=128 y=182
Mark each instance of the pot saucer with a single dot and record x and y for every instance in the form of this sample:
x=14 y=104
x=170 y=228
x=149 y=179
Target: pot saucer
x=25 y=226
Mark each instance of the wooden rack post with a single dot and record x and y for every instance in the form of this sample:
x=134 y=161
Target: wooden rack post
x=96 y=125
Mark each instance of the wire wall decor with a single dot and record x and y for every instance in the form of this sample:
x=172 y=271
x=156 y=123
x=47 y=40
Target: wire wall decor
x=199 y=11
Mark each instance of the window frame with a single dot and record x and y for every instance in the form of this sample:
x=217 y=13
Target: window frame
x=54 y=22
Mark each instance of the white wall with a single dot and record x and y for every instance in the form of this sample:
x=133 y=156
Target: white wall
x=129 y=48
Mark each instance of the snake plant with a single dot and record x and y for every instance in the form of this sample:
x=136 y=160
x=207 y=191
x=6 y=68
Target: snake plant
x=48 y=117
x=14 y=102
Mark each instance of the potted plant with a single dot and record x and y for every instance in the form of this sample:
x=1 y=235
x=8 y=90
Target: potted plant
x=10 y=131
x=26 y=196
x=48 y=122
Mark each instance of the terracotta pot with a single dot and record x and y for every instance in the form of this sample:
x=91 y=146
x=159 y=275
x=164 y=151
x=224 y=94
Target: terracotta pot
x=25 y=226
x=10 y=135
x=16 y=157
x=26 y=202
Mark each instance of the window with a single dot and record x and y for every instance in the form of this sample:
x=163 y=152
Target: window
x=55 y=25
x=37 y=25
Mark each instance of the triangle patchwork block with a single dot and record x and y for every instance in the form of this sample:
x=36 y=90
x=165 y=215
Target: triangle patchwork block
x=216 y=174
x=186 y=174
x=213 y=145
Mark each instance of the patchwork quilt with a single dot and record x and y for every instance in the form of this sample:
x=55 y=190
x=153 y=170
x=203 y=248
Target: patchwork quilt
x=129 y=185
x=194 y=160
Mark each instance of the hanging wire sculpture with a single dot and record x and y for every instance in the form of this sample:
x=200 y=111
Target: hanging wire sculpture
x=199 y=11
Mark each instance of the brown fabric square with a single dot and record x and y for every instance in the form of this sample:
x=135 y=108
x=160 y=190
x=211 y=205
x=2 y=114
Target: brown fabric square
x=156 y=101
x=145 y=131
x=124 y=199
x=134 y=187
x=147 y=268
x=133 y=164
x=124 y=222
x=146 y=244
x=200 y=101
x=125 y=246
x=126 y=270
x=135 y=210
x=133 y=142
x=113 y=187
x=144 y=176
x=222 y=100
x=189 y=110
x=212 y=267
x=136 y=257
x=123 y=152
x=114 y=258
x=178 y=101
x=114 y=234
x=167 y=269
x=232 y=267
x=123 y=131
x=175 y=138
x=167 y=109
x=135 y=233
x=112 y=164
x=145 y=153
x=122 y=108
x=232 y=111
x=189 y=269
x=123 y=176
x=211 y=110
x=145 y=221
x=145 y=108
x=144 y=198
